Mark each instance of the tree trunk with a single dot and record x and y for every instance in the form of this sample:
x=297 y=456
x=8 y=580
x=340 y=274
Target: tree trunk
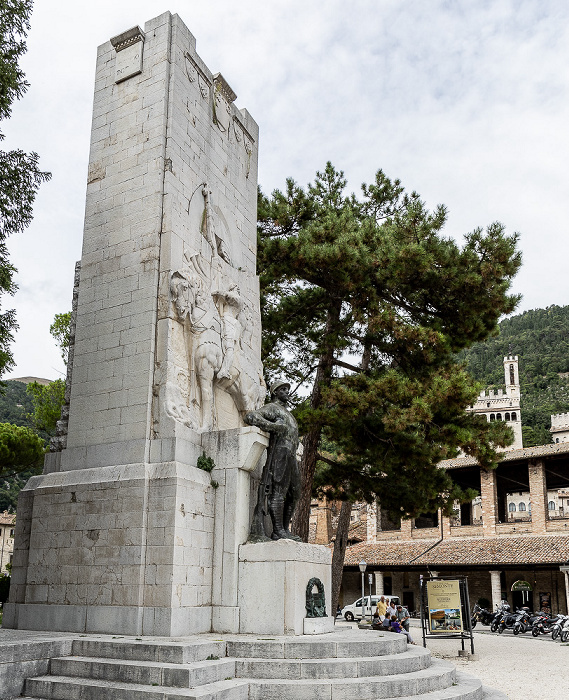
x=340 y=552
x=301 y=519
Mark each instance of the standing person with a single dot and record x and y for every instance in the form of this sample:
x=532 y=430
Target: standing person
x=396 y=627
x=403 y=617
x=387 y=618
x=381 y=608
x=391 y=609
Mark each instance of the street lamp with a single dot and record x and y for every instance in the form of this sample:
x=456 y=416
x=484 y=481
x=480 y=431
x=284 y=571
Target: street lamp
x=363 y=567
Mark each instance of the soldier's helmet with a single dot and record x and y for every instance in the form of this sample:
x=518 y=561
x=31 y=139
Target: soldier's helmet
x=276 y=385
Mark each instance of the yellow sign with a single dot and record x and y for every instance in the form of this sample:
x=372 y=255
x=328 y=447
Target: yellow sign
x=443 y=602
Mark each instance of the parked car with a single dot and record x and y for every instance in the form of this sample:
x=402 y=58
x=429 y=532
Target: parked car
x=354 y=611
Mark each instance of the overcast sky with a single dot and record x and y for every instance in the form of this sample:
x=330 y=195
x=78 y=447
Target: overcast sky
x=466 y=102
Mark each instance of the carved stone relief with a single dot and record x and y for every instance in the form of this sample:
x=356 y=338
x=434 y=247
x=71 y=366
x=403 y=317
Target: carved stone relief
x=194 y=74
x=221 y=110
x=212 y=335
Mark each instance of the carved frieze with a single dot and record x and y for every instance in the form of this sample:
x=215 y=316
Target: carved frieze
x=195 y=73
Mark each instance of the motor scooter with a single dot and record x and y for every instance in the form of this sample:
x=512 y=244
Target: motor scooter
x=542 y=624
x=522 y=623
x=506 y=620
x=558 y=626
x=499 y=622
x=565 y=630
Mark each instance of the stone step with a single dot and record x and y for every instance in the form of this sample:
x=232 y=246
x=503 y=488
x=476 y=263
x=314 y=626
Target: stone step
x=414 y=659
x=140 y=650
x=464 y=688
x=147 y=673
x=439 y=676
x=64 y=688
x=337 y=647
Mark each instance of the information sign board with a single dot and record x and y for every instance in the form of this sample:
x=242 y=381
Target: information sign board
x=444 y=606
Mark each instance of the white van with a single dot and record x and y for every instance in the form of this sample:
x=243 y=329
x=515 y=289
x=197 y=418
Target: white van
x=354 y=611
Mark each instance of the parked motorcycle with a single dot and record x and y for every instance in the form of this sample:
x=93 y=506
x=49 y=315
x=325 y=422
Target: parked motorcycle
x=523 y=621
x=499 y=623
x=481 y=615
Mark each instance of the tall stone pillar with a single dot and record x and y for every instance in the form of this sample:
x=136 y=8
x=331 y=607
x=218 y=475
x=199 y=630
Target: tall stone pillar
x=323 y=523
x=445 y=522
x=406 y=529
x=496 y=588
x=489 y=502
x=371 y=522
x=565 y=571
x=538 y=496
x=125 y=532
x=379 y=583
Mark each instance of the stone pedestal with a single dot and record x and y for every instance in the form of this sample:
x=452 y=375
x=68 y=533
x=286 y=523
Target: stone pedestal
x=273 y=577
x=136 y=549
x=318 y=625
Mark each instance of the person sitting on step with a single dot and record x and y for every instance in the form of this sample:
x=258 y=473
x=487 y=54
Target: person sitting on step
x=396 y=627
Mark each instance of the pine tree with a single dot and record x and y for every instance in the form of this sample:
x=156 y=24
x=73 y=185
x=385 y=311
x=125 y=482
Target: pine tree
x=365 y=304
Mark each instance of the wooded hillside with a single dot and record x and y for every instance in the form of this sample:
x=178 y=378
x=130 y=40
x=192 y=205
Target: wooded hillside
x=540 y=338
x=15 y=407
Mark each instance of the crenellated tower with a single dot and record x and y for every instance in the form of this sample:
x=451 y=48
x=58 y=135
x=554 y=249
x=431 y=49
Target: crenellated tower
x=504 y=404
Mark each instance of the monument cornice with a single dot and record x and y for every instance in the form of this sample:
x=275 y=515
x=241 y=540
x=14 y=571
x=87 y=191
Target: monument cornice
x=128 y=38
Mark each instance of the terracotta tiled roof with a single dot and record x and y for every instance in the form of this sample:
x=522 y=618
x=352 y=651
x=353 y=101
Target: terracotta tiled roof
x=357 y=531
x=512 y=455
x=7 y=518
x=544 y=549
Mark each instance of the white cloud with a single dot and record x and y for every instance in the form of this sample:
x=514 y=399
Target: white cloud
x=466 y=102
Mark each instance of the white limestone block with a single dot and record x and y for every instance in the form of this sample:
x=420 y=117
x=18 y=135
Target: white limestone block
x=273 y=577
x=318 y=625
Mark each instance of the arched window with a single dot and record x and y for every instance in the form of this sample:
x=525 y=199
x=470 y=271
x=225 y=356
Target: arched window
x=507 y=417
x=512 y=507
x=512 y=374
x=492 y=416
x=556 y=439
x=513 y=416
x=498 y=416
x=551 y=505
x=522 y=506
x=529 y=507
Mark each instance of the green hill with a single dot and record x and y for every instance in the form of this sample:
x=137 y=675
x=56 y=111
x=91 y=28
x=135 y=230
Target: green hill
x=540 y=338
x=15 y=406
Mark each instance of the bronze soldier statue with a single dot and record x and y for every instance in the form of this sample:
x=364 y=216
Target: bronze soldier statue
x=280 y=483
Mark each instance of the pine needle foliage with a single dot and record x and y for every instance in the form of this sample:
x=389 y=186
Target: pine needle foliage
x=365 y=304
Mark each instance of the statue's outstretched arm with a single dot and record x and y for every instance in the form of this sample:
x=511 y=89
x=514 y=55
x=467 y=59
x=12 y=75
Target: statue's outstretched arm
x=270 y=426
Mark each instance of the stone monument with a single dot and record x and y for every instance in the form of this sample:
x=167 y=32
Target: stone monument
x=124 y=532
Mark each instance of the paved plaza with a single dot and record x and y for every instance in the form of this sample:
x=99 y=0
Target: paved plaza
x=521 y=666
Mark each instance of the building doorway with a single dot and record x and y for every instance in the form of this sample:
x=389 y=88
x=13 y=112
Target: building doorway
x=409 y=600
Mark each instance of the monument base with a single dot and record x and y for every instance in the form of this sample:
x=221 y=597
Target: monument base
x=273 y=577
x=318 y=625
